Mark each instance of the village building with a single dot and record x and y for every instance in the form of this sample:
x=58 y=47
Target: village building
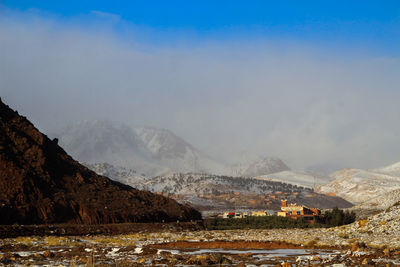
x=259 y=213
x=295 y=211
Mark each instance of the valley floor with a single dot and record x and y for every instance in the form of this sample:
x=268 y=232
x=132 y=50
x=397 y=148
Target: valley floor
x=362 y=242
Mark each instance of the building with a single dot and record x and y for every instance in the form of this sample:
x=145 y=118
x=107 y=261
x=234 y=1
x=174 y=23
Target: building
x=259 y=213
x=294 y=211
x=228 y=215
x=238 y=215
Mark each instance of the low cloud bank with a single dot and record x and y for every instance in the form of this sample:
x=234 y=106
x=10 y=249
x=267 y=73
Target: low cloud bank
x=314 y=108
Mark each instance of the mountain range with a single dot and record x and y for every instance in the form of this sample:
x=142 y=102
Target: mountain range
x=133 y=154
x=149 y=151
x=357 y=185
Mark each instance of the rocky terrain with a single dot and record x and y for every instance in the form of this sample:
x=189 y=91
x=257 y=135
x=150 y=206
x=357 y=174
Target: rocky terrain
x=358 y=186
x=41 y=184
x=377 y=204
x=375 y=241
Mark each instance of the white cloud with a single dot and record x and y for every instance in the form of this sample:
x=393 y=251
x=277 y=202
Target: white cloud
x=106 y=15
x=309 y=106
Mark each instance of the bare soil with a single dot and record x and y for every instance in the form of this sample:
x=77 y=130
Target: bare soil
x=10 y=231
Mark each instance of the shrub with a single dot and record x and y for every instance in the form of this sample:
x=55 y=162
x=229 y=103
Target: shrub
x=255 y=222
x=337 y=217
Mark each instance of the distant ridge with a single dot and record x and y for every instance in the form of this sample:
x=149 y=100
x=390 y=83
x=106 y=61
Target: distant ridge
x=263 y=166
x=357 y=186
x=148 y=150
x=40 y=184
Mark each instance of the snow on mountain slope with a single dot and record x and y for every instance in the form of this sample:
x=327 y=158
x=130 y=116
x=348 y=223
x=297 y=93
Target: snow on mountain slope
x=297 y=178
x=111 y=142
x=381 y=202
x=197 y=183
x=393 y=169
x=243 y=189
x=116 y=173
x=149 y=151
x=176 y=153
x=358 y=186
x=263 y=166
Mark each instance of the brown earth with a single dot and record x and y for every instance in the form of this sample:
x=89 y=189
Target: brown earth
x=41 y=184
x=225 y=245
x=11 y=231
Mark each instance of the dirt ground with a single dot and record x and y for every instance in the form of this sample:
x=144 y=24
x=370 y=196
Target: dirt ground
x=9 y=231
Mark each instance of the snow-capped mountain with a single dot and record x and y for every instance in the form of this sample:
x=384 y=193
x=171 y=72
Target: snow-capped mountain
x=298 y=178
x=393 y=169
x=176 y=153
x=358 y=186
x=260 y=167
x=149 y=151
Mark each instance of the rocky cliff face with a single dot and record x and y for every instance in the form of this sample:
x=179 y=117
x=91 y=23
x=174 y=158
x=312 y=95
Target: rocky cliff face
x=40 y=183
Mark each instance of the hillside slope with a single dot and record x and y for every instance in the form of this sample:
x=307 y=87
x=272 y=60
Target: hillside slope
x=217 y=191
x=377 y=204
x=263 y=166
x=392 y=169
x=40 y=183
x=358 y=186
x=297 y=178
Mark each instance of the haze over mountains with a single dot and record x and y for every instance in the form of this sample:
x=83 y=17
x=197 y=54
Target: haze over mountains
x=149 y=151
x=133 y=155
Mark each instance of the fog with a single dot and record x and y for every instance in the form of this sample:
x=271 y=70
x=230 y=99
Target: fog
x=315 y=106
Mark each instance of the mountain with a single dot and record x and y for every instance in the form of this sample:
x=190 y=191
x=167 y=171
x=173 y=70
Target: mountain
x=172 y=151
x=111 y=142
x=393 y=169
x=358 y=186
x=260 y=167
x=297 y=178
x=208 y=192
x=149 y=151
x=41 y=184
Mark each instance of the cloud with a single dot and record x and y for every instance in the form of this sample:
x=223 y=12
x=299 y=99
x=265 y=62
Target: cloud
x=106 y=15
x=310 y=106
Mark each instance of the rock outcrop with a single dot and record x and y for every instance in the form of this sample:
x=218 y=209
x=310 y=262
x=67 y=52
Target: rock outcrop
x=41 y=184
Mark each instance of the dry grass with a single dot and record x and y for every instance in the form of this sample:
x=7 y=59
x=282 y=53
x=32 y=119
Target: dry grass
x=26 y=240
x=362 y=223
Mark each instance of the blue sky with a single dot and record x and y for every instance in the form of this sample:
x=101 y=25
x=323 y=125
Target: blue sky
x=370 y=25
x=316 y=84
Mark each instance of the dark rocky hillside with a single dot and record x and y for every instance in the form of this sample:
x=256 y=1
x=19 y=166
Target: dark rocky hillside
x=41 y=184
